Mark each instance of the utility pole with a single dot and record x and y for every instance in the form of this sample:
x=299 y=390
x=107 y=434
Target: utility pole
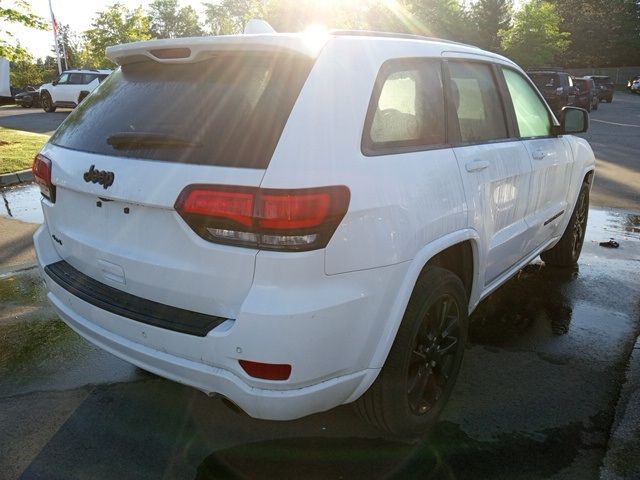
x=55 y=37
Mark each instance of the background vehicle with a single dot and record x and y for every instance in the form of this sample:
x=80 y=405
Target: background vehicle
x=605 y=87
x=631 y=81
x=556 y=87
x=28 y=98
x=70 y=88
x=586 y=94
x=293 y=226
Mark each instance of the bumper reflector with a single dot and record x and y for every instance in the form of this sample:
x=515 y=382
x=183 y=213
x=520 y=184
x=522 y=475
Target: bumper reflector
x=266 y=371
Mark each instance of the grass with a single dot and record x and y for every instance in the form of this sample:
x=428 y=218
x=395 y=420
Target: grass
x=17 y=149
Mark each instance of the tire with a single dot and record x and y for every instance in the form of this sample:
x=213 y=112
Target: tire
x=567 y=251
x=47 y=104
x=418 y=376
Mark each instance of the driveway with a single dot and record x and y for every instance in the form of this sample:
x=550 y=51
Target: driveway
x=614 y=135
x=33 y=120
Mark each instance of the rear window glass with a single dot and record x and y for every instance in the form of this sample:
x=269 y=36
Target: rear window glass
x=228 y=111
x=602 y=81
x=545 y=80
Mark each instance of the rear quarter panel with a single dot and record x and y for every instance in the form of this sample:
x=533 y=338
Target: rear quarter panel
x=399 y=203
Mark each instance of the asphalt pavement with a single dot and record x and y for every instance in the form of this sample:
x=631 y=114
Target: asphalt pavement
x=544 y=384
x=34 y=120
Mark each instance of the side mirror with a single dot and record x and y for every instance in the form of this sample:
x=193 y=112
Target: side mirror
x=54 y=83
x=573 y=120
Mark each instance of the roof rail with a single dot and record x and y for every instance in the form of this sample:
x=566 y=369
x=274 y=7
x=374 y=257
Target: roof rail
x=407 y=36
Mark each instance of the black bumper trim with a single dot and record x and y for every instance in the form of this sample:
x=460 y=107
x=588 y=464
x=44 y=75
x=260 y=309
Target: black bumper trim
x=130 y=306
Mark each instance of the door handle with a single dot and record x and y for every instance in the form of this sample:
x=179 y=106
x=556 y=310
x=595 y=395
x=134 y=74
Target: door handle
x=476 y=165
x=538 y=155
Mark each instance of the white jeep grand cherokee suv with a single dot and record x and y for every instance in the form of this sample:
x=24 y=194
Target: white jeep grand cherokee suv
x=70 y=88
x=302 y=222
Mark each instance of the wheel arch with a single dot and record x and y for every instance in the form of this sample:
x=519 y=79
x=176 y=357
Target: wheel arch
x=440 y=253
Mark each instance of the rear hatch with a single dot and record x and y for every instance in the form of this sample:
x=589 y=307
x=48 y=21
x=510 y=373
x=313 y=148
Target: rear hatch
x=122 y=158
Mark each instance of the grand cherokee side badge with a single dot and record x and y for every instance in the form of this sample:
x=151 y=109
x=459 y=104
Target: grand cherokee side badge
x=102 y=177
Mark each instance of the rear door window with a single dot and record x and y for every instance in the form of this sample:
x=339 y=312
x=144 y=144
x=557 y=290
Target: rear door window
x=478 y=109
x=88 y=78
x=229 y=110
x=407 y=108
x=75 y=79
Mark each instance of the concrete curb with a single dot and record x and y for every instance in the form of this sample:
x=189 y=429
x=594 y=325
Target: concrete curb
x=22 y=176
x=622 y=461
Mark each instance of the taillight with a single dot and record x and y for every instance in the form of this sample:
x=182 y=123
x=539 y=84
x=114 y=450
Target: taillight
x=266 y=371
x=42 y=175
x=269 y=219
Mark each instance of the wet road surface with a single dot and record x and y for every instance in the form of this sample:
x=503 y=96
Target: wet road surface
x=535 y=396
x=33 y=120
x=614 y=135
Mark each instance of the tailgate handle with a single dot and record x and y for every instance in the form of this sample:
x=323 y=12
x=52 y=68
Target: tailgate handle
x=476 y=165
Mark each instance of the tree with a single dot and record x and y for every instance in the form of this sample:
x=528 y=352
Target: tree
x=441 y=18
x=167 y=20
x=603 y=32
x=25 y=72
x=19 y=13
x=114 y=26
x=490 y=17
x=230 y=16
x=535 y=38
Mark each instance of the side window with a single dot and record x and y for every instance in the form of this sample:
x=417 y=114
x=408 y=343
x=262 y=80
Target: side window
x=480 y=116
x=63 y=79
x=407 y=108
x=88 y=78
x=75 y=78
x=531 y=113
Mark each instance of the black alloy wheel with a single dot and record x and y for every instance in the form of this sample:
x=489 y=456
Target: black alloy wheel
x=436 y=345
x=421 y=368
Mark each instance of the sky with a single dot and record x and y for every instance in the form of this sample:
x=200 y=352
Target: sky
x=77 y=14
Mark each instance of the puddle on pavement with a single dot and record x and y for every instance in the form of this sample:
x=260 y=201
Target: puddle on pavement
x=22 y=203
x=447 y=453
x=619 y=224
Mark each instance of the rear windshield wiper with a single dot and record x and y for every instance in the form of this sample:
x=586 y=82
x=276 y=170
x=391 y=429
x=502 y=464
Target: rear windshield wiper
x=142 y=140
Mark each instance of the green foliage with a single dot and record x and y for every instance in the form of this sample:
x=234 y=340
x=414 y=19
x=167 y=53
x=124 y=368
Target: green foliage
x=604 y=33
x=535 y=38
x=228 y=17
x=167 y=20
x=489 y=18
x=442 y=18
x=25 y=72
x=114 y=26
x=21 y=15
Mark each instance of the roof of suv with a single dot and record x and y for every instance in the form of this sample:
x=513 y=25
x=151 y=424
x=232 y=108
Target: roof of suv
x=190 y=49
x=87 y=70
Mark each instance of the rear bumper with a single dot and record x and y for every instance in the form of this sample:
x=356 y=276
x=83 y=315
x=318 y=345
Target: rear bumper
x=329 y=339
x=258 y=403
